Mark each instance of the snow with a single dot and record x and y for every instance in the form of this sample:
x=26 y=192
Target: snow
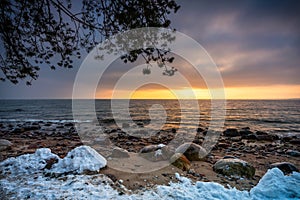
x=80 y=159
x=275 y=185
x=28 y=163
x=161 y=145
x=24 y=177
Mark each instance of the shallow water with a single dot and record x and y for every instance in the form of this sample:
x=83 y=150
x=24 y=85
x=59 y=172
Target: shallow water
x=274 y=116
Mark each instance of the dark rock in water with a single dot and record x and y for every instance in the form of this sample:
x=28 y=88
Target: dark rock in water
x=249 y=137
x=18 y=130
x=69 y=124
x=265 y=136
x=234 y=167
x=32 y=127
x=261 y=133
x=48 y=124
x=228 y=157
x=180 y=161
x=293 y=153
x=200 y=130
x=119 y=153
x=173 y=130
x=295 y=141
x=5 y=144
x=285 y=167
x=231 y=132
x=245 y=131
x=140 y=124
x=192 y=151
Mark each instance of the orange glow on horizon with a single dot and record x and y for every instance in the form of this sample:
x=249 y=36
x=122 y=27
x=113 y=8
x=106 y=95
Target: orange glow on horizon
x=264 y=92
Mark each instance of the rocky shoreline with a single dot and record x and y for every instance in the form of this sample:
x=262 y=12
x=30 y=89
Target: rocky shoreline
x=259 y=150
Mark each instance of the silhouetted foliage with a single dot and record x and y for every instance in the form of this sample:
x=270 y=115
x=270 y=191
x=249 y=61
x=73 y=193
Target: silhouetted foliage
x=37 y=32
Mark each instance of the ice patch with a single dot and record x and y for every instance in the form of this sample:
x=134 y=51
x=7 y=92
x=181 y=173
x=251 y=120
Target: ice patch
x=80 y=159
x=27 y=163
x=275 y=185
x=23 y=177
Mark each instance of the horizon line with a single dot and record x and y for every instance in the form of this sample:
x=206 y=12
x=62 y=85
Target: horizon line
x=137 y=99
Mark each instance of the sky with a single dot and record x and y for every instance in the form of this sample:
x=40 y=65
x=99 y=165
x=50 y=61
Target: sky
x=254 y=44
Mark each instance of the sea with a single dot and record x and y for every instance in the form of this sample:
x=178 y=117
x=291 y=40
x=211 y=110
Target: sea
x=273 y=116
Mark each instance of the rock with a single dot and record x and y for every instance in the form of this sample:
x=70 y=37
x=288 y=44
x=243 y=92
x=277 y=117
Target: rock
x=199 y=130
x=293 y=153
x=192 y=151
x=31 y=128
x=5 y=144
x=231 y=132
x=140 y=124
x=156 y=152
x=261 y=133
x=265 y=136
x=236 y=138
x=18 y=130
x=228 y=157
x=125 y=125
x=234 y=167
x=249 y=137
x=69 y=124
x=295 y=141
x=285 y=167
x=223 y=145
x=50 y=162
x=119 y=153
x=245 y=131
x=180 y=161
x=150 y=148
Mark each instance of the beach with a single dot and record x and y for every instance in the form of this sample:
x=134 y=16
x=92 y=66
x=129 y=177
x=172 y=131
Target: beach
x=259 y=149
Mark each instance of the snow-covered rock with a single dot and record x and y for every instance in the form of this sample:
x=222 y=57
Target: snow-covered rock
x=79 y=160
x=275 y=185
x=27 y=163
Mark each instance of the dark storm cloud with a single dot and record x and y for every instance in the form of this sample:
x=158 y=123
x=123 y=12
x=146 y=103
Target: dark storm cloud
x=253 y=42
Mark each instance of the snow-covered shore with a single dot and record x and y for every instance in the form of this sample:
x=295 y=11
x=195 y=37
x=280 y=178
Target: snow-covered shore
x=26 y=177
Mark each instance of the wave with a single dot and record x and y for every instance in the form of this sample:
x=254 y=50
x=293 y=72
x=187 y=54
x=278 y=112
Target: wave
x=46 y=120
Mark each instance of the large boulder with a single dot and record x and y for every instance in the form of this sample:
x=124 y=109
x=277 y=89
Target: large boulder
x=5 y=144
x=234 y=167
x=180 y=161
x=285 y=167
x=192 y=151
